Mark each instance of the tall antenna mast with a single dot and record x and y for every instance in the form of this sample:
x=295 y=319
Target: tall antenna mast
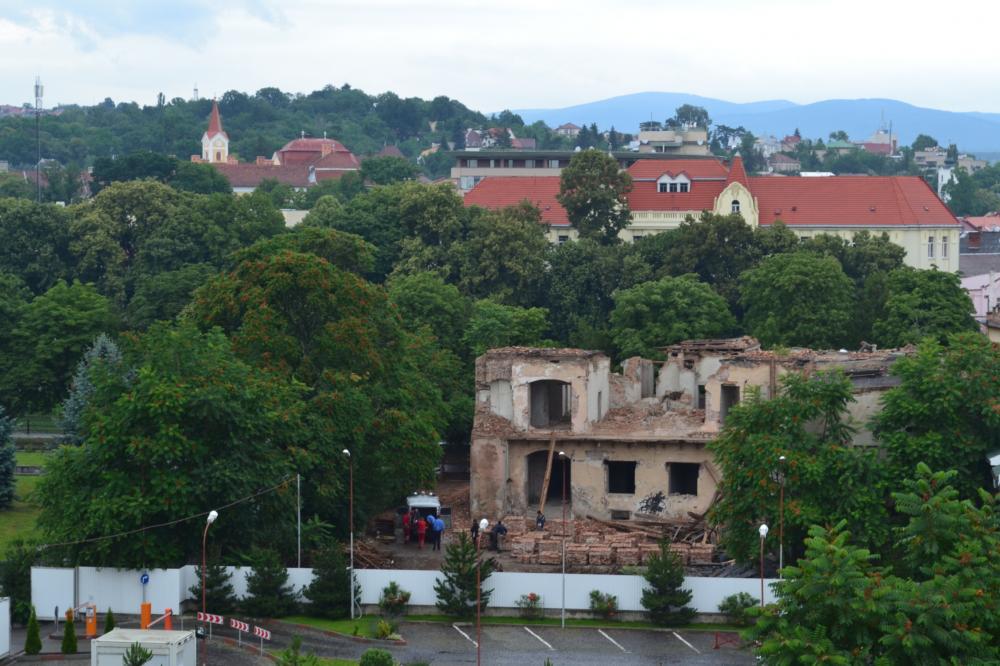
x=39 y=90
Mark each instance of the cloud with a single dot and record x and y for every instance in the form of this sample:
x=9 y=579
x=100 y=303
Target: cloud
x=522 y=53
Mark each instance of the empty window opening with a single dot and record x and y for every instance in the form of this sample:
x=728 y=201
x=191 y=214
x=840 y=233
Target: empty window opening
x=684 y=478
x=730 y=397
x=701 y=396
x=621 y=476
x=620 y=515
x=550 y=403
x=536 y=463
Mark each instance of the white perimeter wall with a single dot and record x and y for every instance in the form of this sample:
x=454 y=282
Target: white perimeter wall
x=4 y=626
x=121 y=591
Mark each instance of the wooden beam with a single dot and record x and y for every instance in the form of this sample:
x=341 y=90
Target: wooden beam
x=548 y=474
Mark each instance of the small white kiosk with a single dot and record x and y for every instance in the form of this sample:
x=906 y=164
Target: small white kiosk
x=169 y=648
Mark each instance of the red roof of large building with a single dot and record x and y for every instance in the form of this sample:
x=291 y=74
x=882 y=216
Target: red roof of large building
x=849 y=201
x=495 y=192
x=251 y=175
x=693 y=168
x=878 y=148
x=707 y=176
x=215 y=122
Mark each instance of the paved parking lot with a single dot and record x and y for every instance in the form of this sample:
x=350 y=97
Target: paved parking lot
x=513 y=645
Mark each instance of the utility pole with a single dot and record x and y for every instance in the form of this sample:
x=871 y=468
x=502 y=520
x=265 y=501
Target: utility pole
x=39 y=89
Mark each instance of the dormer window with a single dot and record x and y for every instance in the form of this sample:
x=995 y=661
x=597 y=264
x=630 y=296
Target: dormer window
x=735 y=206
x=673 y=184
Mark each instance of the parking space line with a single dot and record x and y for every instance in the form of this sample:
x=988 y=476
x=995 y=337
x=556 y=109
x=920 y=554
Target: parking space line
x=685 y=642
x=544 y=642
x=617 y=644
x=466 y=635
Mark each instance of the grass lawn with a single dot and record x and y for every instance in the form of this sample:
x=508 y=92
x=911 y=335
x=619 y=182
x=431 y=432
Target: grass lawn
x=365 y=625
x=576 y=622
x=31 y=458
x=19 y=519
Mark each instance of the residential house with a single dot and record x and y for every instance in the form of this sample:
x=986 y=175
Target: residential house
x=790 y=143
x=683 y=141
x=781 y=163
x=838 y=147
x=568 y=129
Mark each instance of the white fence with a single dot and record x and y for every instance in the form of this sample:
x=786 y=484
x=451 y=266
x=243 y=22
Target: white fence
x=121 y=590
x=4 y=626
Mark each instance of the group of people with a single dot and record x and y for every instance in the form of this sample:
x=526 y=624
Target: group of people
x=499 y=531
x=417 y=528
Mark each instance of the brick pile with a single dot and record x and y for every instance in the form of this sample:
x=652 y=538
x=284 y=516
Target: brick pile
x=591 y=544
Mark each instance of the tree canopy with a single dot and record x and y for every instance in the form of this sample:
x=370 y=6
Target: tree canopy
x=594 y=191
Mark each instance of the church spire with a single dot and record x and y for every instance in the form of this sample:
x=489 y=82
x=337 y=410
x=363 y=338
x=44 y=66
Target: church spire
x=215 y=121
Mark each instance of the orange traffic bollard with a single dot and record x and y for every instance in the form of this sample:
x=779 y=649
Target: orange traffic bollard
x=168 y=620
x=145 y=615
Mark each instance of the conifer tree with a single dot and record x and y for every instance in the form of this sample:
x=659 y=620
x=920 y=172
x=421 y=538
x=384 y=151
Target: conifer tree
x=69 y=638
x=269 y=594
x=33 y=642
x=329 y=593
x=219 y=594
x=664 y=599
x=104 y=352
x=7 y=461
x=109 y=622
x=456 y=591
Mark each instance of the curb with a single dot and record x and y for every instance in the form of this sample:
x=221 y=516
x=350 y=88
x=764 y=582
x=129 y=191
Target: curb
x=336 y=634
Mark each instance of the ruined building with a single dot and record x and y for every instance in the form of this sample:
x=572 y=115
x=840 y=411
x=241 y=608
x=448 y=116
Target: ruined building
x=635 y=442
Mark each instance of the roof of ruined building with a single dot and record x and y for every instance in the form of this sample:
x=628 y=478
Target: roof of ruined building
x=544 y=352
x=741 y=344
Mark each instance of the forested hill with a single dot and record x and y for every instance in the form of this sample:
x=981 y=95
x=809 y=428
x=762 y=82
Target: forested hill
x=257 y=124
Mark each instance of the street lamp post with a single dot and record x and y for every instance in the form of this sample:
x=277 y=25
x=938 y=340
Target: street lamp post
x=350 y=513
x=212 y=515
x=562 y=456
x=781 y=515
x=762 y=530
x=483 y=524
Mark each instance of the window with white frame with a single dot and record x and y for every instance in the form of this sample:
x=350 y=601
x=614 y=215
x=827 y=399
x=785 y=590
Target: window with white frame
x=673 y=184
x=944 y=247
x=662 y=187
x=930 y=247
x=735 y=206
x=684 y=187
x=553 y=164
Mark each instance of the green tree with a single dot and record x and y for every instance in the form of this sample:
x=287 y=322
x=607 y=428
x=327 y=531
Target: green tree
x=923 y=142
x=456 y=589
x=797 y=299
x=689 y=114
x=943 y=411
x=664 y=599
x=494 y=325
x=388 y=169
x=8 y=460
x=219 y=594
x=839 y=135
x=162 y=296
x=923 y=303
x=329 y=594
x=109 y=622
x=136 y=655
x=192 y=426
x=425 y=299
x=651 y=315
x=376 y=657
x=807 y=422
x=15 y=577
x=35 y=243
x=14 y=185
x=69 y=638
x=102 y=356
x=48 y=340
x=268 y=592
x=139 y=165
x=966 y=197
x=594 y=191
x=33 y=641
x=199 y=178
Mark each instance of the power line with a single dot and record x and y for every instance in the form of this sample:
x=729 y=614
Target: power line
x=170 y=523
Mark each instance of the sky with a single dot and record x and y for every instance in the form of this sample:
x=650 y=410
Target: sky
x=512 y=54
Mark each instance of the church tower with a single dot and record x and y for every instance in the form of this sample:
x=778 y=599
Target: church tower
x=215 y=142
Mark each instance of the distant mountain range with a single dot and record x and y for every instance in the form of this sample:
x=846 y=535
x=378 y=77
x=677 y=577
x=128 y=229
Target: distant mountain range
x=972 y=131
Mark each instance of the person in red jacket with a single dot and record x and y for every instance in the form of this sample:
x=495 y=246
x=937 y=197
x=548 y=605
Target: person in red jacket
x=406 y=527
x=421 y=531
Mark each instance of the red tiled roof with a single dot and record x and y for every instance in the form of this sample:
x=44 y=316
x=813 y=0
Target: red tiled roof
x=338 y=160
x=849 y=201
x=982 y=222
x=568 y=126
x=694 y=169
x=215 y=122
x=390 y=151
x=251 y=175
x=791 y=138
x=523 y=144
x=313 y=145
x=496 y=192
x=779 y=158
x=878 y=148
x=737 y=174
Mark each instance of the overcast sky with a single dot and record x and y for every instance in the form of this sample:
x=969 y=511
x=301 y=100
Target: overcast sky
x=511 y=54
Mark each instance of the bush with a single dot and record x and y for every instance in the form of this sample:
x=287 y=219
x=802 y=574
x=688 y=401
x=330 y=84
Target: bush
x=136 y=655
x=383 y=630
x=69 y=638
x=664 y=599
x=394 y=599
x=109 y=622
x=292 y=657
x=735 y=607
x=33 y=641
x=604 y=606
x=376 y=657
x=530 y=606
